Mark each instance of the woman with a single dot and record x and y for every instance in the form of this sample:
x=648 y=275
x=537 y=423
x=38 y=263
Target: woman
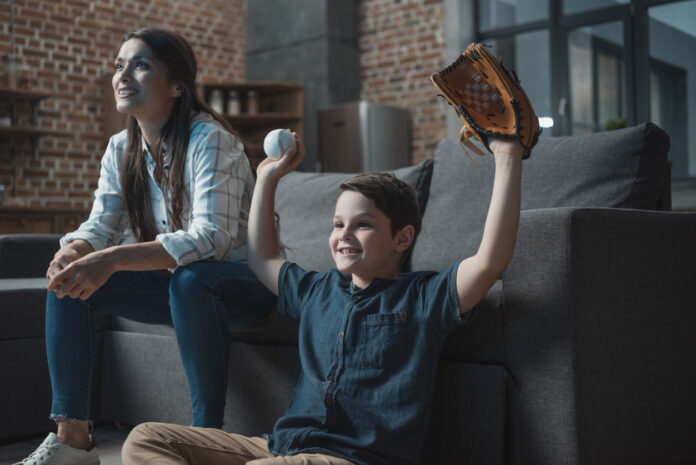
x=173 y=194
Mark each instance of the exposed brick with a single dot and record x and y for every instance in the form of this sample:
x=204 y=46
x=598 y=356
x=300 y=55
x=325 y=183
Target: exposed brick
x=397 y=54
x=68 y=44
x=33 y=173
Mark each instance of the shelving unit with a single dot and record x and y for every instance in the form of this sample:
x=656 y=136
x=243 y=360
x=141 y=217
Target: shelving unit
x=279 y=105
x=14 y=219
x=19 y=130
x=23 y=220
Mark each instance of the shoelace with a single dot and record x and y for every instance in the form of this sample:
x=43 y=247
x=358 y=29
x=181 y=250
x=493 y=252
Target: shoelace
x=34 y=456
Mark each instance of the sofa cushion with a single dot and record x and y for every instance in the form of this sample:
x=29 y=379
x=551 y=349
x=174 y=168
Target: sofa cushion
x=275 y=329
x=143 y=380
x=305 y=204
x=26 y=255
x=467 y=421
x=26 y=388
x=627 y=168
x=23 y=308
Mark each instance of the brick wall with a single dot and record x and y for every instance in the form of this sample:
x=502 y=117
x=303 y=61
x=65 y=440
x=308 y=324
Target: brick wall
x=401 y=43
x=69 y=45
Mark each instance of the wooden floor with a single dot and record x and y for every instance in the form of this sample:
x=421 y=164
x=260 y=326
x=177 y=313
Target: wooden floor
x=109 y=441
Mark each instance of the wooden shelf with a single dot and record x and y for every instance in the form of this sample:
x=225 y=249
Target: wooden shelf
x=278 y=105
x=30 y=131
x=14 y=97
x=24 y=220
x=267 y=87
x=7 y=93
x=261 y=118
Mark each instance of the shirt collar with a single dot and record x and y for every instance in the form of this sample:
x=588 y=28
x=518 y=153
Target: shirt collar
x=167 y=155
x=376 y=286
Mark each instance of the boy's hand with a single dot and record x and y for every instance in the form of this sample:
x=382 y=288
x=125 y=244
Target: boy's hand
x=276 y=169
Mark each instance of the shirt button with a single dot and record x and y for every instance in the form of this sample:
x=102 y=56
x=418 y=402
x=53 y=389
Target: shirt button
x=356 y=297
x=164 y=222
x=328 y=402
x=340 y=334
x=331 y=378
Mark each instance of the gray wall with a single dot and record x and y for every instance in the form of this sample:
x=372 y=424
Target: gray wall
x=309 y=42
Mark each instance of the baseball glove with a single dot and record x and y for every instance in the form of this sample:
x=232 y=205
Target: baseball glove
x=489 y=100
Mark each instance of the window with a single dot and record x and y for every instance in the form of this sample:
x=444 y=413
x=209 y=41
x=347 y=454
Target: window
x=597 y=78
x=599 y=65
x=495 y=14
x=576 y=6
x=529 y=55
x=672 y=80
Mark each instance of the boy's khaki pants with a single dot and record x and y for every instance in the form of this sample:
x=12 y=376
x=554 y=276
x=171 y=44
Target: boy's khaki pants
x=161 y=443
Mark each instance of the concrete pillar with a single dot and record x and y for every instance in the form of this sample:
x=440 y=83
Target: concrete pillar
x=309 y=42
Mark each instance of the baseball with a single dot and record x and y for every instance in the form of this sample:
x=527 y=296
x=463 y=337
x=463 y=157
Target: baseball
x=277 y=142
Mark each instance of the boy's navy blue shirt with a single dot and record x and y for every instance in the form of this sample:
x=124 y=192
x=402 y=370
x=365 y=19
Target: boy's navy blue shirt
x=369 y=361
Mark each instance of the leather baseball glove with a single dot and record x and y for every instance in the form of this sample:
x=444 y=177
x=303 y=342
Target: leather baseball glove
x=489 y=100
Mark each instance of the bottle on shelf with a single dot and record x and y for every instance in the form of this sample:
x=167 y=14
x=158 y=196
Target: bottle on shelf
x=9 y=71
x=252 y=102
x=215 y=100
x=233 y=106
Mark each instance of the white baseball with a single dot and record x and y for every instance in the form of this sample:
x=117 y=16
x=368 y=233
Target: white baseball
x=277 y=142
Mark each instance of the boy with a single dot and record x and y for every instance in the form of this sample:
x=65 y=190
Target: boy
x=369 y=346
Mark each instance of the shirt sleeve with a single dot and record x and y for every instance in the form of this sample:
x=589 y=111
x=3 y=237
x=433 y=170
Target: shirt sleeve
x=108 y=221
x=294 y=285
x=221 y=179
x=437 y=295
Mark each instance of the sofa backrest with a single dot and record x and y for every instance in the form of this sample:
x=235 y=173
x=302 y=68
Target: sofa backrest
x=305 y=205
x=626 y=168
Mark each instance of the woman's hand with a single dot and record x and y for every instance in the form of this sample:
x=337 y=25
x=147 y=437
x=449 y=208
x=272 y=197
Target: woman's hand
x=81 y=277
x=276 y=169
x=66 y=255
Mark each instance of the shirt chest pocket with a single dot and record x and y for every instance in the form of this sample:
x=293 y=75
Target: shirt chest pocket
x=383 y=339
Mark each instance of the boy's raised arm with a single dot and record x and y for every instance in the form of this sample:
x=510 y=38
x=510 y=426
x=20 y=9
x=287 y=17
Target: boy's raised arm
x=263 y=248
x=478 y=273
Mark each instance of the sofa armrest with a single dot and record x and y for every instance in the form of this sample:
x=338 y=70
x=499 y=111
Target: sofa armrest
x=26 y=255
x=599 y=316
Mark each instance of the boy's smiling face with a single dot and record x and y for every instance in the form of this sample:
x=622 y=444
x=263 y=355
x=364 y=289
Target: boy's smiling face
x=362 y=242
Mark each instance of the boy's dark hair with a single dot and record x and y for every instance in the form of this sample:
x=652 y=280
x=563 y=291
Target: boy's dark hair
x=393 y=197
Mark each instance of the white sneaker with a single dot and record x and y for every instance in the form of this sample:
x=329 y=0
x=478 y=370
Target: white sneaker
x=54 y=452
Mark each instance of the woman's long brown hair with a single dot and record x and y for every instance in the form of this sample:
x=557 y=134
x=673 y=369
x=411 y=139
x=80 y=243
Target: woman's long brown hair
x=176 y=54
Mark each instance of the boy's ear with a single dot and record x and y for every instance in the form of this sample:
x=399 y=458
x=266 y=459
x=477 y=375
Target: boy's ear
x=404 y=237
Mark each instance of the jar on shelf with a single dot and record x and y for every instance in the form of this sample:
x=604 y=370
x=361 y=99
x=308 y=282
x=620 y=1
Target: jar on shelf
x=9 y=71
x=215 y=100
x=233 y=105
x=252 y=102
x=25 y=77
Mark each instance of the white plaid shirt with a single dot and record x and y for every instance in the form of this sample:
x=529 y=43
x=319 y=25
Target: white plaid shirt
x=218 y=183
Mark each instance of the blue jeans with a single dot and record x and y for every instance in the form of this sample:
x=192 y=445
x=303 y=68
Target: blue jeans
x=202 y=300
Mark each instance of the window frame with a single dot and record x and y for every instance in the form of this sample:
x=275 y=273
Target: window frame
x=635 y=19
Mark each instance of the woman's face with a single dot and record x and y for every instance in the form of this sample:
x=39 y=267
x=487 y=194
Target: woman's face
x=141 y=86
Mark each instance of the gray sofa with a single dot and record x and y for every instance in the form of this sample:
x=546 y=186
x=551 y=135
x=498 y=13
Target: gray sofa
x=582 y=353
